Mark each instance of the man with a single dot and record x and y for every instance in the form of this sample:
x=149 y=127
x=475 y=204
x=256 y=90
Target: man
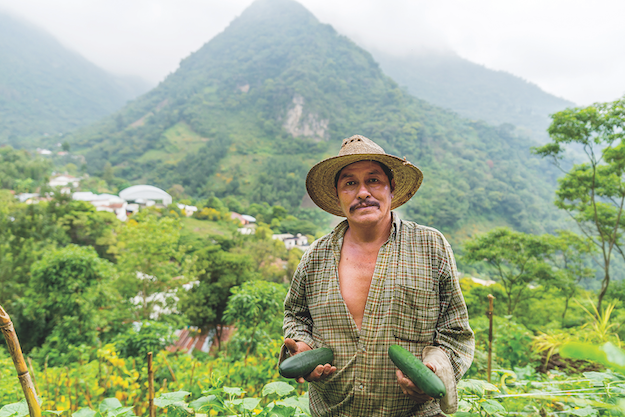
x=375 y=281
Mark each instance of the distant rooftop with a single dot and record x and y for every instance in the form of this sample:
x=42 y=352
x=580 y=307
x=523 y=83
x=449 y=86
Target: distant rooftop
x=146 y=192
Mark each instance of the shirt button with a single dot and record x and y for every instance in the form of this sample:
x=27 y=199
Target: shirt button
x=361 y=387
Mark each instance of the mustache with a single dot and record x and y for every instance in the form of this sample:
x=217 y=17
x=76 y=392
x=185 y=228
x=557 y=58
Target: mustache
x=364 y=203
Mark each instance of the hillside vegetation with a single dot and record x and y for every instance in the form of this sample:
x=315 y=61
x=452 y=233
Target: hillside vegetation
x=251 y=111
x=46 y=89
x=474 y=91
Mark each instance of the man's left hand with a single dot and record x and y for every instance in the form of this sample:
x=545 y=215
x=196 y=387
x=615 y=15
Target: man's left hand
x=410 y=389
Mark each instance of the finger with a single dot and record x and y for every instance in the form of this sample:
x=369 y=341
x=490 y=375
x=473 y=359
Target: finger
x=315 y=374
x=431 y=366
x=291 y=345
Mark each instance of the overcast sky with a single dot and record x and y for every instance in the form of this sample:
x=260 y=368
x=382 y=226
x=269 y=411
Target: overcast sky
x=573 y=49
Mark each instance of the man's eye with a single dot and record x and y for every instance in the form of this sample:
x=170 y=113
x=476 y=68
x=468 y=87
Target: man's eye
x=350 y=183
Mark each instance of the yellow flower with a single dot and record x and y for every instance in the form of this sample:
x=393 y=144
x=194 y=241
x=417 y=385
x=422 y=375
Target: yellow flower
x=213 y=412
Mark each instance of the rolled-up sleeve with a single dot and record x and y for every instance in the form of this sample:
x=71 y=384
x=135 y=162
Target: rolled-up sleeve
x=298 y=323
x=453 y=333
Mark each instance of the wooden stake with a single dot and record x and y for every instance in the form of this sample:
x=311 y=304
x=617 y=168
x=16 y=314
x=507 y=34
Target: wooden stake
x=171 y=371
x=13 y=344
x=69 y=390
x=32 y=373
x=489 y=314
x=192 y=371
x=152 y=409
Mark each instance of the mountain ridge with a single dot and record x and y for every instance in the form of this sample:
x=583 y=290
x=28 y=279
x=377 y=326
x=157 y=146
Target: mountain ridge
x=474 y=91
x=46 y=88
x=255 y=107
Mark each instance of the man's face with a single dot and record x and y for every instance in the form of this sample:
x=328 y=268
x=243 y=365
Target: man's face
x=364 y=193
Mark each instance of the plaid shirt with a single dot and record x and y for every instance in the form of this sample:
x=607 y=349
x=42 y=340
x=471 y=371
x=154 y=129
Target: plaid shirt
x=414 y=301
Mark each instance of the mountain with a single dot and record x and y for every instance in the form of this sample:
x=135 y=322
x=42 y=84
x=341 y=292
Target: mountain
x=473 y=91
x=46 y=89
x=253 y=109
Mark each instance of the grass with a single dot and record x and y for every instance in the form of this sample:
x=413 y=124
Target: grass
x=204 y=228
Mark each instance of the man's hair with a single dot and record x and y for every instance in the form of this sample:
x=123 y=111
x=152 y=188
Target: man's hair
x=387 y=171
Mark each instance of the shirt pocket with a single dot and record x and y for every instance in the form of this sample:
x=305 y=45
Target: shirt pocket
x=414 y=314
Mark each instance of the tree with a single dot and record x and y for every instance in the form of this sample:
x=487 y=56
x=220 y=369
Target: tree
x=593 y=192
x=570 y=255
x=68 y=287
x=149 y=257
x=255 y=307
x=518 y=260
x=217 y=272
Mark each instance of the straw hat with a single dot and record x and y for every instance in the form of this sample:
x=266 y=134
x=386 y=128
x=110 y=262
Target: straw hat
x=320 y=178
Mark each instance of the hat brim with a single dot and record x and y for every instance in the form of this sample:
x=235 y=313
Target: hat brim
x=320 y=179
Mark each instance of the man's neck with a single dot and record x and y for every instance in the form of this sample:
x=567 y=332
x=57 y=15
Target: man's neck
x=370 y=234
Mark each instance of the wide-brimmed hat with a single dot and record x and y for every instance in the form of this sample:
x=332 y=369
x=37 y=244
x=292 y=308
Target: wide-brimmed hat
x=320 y=179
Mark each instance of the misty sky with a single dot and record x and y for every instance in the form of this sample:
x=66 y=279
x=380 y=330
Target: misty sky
x=574 y=49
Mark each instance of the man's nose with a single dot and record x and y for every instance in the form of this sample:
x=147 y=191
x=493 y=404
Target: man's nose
x=363 y=191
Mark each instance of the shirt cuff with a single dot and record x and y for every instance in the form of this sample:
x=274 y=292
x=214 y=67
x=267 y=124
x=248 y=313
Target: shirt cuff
x=444 y=370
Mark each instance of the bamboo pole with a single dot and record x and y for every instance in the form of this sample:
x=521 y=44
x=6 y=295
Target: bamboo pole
x=152 y=409
x=32 y=373
x=489 y=314
x=171 y=371
x=6 y=325
x=192 y=372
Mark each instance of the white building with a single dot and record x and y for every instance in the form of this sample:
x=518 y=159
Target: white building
x=292 y=241
x=144 y=194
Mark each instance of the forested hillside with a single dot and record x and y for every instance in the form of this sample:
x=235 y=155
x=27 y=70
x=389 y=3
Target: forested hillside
x=46 y=89
x=255 y=107
x=473 y=91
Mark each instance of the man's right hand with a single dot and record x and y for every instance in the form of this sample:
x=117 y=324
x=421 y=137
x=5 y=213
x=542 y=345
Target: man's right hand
x=319 y=373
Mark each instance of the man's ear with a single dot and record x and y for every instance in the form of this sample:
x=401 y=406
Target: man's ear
x=392 y=185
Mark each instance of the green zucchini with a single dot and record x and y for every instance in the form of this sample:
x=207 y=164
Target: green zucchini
x=419 y=374
x=305 y=362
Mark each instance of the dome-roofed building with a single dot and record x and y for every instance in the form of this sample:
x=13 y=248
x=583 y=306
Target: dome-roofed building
x=145 y=193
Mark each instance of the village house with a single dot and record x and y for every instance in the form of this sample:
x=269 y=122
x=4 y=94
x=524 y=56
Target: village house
x=292 y=241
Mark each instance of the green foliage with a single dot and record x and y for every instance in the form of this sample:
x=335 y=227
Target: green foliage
x=66 y=292
x=217 y=272
x=517 y=260
x=593 y=192
x=256 y=309
x=21 y=172
x=149 y=258
x=232 y=97
x=150 y=336
x=48 y=89
x=472 y=90
x=511 y=345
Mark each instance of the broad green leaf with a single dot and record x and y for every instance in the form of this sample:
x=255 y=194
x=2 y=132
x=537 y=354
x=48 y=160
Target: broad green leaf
x=171 y=398
x=280 y=388
x=55 y=412
x=463 y=414
x=281 y=411
x=476 y=387
x=84 y=412
x=109 y=404
x=608 y=354
x=121 y=411
x=298 y=402
x=492 y=407
x=250 y=403
x=586 y=411
x=196 y=404
x=236 y=391
x=614 y=355
x=18 y=409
